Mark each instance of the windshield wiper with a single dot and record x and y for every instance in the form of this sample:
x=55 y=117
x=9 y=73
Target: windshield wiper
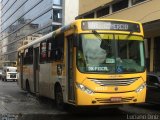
x=96 y=34
x=104 y=43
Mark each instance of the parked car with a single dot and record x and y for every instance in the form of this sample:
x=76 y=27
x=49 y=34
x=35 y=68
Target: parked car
x=153 y=88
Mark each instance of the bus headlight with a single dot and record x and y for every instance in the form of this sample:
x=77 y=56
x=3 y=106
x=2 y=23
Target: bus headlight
x=84 y=88
x=141 y=87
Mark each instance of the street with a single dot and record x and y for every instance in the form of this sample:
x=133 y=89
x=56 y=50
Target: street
x=20 y=105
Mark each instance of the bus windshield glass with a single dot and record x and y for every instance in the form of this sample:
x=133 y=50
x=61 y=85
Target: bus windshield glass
x=110 y=53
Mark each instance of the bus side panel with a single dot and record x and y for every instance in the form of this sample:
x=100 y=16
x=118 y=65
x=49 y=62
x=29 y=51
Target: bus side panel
x=53 y=79
x=28 y=75
x=44 y=79
x=24 y=69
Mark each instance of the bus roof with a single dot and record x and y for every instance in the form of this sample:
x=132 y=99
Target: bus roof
x=62 y=29
x=49 y=35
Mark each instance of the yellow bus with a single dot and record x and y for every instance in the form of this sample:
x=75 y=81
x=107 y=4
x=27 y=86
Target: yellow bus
x=91 y=62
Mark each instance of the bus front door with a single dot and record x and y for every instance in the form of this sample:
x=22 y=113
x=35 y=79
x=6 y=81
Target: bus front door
x=36 y=70
x=21 y=71
x=70 y=67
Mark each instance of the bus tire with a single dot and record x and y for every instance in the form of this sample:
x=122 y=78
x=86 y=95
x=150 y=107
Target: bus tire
x=59 y=98
x=28 y=87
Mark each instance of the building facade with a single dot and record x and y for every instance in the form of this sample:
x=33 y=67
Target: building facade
x=25 y=20
x=145 y=11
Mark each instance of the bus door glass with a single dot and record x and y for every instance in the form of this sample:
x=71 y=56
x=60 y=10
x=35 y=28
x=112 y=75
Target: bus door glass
x=21 y=69
x=71 y=92
x=36 y=69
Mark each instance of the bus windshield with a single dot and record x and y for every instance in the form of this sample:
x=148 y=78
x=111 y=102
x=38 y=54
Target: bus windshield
x=12 y=64
x=110 y=53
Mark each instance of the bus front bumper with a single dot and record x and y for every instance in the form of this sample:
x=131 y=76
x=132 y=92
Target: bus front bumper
x=84 y=99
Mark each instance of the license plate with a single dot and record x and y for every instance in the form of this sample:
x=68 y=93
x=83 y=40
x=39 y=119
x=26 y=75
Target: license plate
x=116 y=99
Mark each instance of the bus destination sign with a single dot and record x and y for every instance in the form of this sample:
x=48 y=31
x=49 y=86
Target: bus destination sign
x=110 y=25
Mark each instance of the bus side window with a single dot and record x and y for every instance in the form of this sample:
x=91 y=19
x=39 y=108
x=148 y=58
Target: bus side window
x=25 y=56
x=58 y=48
x=43 y=52
x=49 y=46
x=18 y=58
x=49 y=49
x=28 y=56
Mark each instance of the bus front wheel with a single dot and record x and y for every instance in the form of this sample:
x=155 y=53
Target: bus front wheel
x=59 y=98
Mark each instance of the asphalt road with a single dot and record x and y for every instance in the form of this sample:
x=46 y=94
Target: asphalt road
x=16 y=104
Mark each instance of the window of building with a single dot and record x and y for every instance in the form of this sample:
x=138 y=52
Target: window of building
x=103 y=12
x=156 y=54
x=91 y=15
x=148 y=49
x=137 y=1
x=57 y=15
x=57 y=2
x=120 y=5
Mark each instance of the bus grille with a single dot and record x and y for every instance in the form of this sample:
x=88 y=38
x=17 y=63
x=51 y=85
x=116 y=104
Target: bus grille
x=114 y=82
x=108 y=100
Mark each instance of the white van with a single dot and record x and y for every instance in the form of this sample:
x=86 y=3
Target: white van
x=9 y=71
